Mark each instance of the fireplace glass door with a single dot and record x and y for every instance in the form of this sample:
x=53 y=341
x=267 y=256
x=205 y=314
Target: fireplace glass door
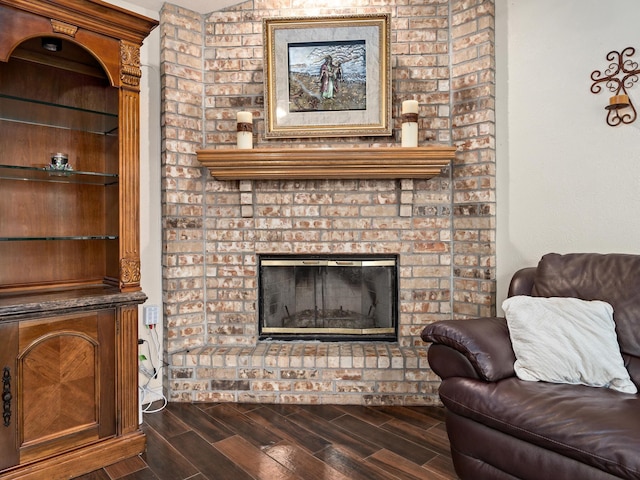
x=330 y=298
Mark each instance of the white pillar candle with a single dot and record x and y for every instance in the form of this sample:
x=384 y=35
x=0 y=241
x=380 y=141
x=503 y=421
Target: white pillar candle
x=410 y=106
x=410 y=123
x=245 y=130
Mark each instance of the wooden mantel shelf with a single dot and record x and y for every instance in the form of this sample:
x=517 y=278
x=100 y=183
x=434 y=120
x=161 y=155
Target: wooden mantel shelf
x=326 y=163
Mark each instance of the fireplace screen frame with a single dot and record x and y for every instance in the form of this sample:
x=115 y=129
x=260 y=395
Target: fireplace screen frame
x=387 y=332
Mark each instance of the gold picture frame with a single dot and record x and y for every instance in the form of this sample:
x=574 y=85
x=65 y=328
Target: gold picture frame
x=327 y=76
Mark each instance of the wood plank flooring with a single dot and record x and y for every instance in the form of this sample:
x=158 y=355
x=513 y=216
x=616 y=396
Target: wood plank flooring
x=286 y=442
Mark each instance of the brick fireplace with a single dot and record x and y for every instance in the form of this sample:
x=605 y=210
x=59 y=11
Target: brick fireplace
x=441 y=229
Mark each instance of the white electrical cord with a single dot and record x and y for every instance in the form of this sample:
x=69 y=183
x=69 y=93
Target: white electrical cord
x=144 y=389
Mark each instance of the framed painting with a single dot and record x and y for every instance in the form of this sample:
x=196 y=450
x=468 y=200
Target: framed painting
x=327 y=76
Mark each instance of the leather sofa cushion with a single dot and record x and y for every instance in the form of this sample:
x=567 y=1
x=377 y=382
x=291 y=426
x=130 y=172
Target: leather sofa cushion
x=613 y=278
x=595 y=426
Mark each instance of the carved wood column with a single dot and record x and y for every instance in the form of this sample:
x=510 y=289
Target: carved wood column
x=129 y=126
x=127 y=380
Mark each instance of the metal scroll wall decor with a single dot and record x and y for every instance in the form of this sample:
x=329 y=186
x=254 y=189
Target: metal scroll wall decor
x=620 y=75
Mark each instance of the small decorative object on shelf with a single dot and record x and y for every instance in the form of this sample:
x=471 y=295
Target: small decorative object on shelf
x=619 y=76
x=60 y=161
x=410 y=123
x=245 y=130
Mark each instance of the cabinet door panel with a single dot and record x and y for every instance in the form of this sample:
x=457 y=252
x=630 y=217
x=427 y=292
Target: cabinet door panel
x=8 y=433
x=59 y=374
x=60 y=363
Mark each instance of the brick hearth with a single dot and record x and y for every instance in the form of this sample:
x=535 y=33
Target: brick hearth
x=354 y=373
x=443 y=229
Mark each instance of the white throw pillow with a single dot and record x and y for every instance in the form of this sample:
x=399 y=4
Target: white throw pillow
x=566 y=340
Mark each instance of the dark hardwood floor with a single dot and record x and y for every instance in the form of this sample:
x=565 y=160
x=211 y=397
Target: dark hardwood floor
x=277 y=442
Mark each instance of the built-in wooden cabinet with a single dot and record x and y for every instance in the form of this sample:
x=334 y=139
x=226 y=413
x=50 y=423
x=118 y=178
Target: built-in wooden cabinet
x=69 y=236
x=64 y=221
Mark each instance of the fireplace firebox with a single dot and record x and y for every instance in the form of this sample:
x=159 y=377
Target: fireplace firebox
x=330 y=298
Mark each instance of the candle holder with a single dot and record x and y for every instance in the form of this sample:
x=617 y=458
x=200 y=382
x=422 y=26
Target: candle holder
x=621 y=75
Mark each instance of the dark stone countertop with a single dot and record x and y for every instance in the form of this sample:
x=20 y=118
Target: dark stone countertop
x=41 y=303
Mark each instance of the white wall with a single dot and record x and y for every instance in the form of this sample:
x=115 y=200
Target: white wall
x=567 y=182
x=150 y=192
x=150 y=201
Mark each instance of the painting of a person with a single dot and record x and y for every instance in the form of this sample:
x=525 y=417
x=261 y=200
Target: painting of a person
x=328 y=78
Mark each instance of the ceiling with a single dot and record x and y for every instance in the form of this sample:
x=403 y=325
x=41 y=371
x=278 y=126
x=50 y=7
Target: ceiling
x=200 y=6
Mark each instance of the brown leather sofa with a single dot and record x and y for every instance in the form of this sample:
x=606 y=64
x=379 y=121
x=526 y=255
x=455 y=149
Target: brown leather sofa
x=501 y=427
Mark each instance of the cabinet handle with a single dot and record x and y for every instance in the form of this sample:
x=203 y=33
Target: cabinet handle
x=6 y=396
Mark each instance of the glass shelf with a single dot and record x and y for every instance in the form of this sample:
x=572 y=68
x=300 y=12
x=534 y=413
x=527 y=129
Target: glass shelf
x=46 y=174
x=78 y=237
x=36 y=112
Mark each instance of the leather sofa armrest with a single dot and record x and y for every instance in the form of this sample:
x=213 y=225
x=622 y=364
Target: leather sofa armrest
x=481 y=343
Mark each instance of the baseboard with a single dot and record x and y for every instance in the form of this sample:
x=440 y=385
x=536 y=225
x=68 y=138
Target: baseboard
x=80 y=461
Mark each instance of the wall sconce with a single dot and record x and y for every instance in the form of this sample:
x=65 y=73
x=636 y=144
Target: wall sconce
x=618 y=77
